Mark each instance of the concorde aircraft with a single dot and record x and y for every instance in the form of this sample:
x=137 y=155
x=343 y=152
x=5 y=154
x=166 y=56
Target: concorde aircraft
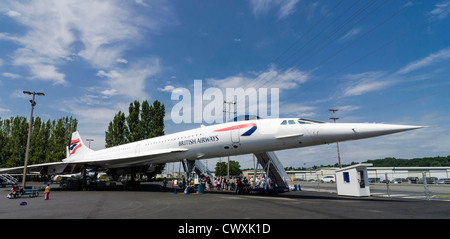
x=227 y=139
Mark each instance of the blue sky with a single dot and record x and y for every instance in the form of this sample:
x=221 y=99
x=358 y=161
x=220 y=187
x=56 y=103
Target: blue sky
x=377 y=61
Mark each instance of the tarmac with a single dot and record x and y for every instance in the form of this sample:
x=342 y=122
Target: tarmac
x=150 y=201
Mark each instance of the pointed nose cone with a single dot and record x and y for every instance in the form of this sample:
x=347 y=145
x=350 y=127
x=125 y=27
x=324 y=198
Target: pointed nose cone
x=338 y=132
x=373 y=130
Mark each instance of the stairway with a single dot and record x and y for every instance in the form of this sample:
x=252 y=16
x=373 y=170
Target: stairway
x=8 y=179
x=191 y=166
x=271 y=164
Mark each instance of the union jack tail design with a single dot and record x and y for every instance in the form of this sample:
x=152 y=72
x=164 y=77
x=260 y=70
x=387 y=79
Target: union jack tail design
x=77 y=147
x=74 y=145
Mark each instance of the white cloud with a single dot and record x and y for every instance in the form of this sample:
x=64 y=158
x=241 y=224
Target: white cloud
x=59 y=32
x=359 y=84
x=366 y=82
x=130 y=81
x=441 y=55
x=167 y=88
x=47 y=72
x=102 y=115
x=260 y=7
x=347 y=108
x=352 y=32
x=93 y=114
x=287 y=8
x=122 y=61
x=253 y=85
x=109 y=92
x=272 y=78
x=12 y=13
x=19 y=94
x=141 y=2
x=11 y=75
x=363 y=87
x=284 y=7
x=440 y=11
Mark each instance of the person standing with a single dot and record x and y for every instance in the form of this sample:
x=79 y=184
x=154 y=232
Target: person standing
x=47 y=191
x=165 y=183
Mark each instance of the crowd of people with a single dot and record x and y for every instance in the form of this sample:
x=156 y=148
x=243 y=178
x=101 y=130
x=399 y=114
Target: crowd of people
x=237 y=184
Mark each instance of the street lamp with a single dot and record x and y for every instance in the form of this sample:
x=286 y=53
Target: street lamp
x=89 y=140
x=334 y=118
x=33 y=103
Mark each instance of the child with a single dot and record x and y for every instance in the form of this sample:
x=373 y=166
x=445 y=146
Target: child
x=47 y=191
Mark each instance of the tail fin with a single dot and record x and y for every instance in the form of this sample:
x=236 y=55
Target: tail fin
x=77 y=147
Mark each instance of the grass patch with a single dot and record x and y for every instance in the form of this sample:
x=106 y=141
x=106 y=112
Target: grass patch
x=442 y=197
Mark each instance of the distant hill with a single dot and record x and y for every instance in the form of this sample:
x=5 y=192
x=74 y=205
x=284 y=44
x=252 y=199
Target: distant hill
x=415 y=162
x=391 y=162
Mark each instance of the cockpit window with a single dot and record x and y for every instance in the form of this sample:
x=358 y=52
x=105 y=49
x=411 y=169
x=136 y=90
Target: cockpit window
x=290 y=122
x=303 y=122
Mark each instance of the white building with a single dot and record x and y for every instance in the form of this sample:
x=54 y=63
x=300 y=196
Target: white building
x=376 y=172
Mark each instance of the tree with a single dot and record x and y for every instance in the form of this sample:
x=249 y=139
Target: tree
x=140 y=124
x=415 y=162
x=70 y=126
x=143 y=122
x=6 y=135
x=2 y=141
x=134 y=126
x=435 y=164
x=35 y=151
x=221 y=168
x=117 y=133
x=157 y=112
x=57 y=143
x=146 y=118
x=40 y=141
x=48 y=140
x=17 y=142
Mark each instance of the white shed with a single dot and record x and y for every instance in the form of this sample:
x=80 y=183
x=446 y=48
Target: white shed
x=353 y=181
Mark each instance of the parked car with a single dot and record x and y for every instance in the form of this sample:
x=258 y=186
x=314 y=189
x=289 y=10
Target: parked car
x=328 y=179
x=399 y=180
x=430 y=180
x=385 y=181
x=374 y=180
x=443 y=181
x=413 y=179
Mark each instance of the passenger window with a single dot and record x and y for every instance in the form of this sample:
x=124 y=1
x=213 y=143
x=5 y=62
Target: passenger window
x=291 y=122
x=284 y=122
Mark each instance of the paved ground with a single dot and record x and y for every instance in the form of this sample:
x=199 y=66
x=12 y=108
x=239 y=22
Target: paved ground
x=402 y=190
x=152 y=202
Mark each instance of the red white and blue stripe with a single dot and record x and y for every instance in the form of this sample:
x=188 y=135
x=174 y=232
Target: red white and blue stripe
x=241 y=126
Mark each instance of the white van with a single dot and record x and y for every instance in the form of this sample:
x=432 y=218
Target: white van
x=328 y=179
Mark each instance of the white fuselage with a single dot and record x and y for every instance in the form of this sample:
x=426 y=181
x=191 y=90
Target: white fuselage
x=233 y=138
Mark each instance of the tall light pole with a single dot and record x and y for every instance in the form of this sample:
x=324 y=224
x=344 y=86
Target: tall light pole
x=337 y=143
x=229 y=111
x=229 y=103
x=89 y=140
x=30 y=125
